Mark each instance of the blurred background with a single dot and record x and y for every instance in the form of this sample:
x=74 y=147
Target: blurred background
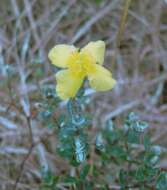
x=30 y=28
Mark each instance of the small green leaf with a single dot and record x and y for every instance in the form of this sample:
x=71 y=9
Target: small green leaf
x=140 y=174
x=49 y=180
x=69 y=179
x=123 y=177
x=88 y=185
x=140 y=126
x=146 y=142
x=131 y=118
x=133 y=137
x=84 y=172
x=162 y=181
x=100 y=142
x=80 y=149
x=98 y=1
x=118 y=151
x=109 y=126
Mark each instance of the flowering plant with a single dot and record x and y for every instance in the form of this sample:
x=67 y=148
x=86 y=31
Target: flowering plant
x=112 y=158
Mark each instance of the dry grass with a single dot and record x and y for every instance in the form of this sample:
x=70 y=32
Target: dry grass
x=28 y=29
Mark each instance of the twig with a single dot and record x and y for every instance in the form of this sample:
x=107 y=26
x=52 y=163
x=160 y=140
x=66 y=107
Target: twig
x=28 y=154
x=35 y=33
x=156 y=80
x=7 y=123
x=41 y=150
x=122 y=109
x=93 y=20
x=63 y=12
x=12 y=150
x=24 y=101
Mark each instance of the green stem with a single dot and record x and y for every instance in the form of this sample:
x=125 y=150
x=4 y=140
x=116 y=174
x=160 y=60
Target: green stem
x=123 y=22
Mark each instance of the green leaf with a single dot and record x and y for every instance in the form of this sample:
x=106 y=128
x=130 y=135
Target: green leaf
x=132 y=122
x=109 y=126
x=147 y=142
x=95 y=171
x=100 y=142
x=66 y=150
x=140 y=126
x=133 y=137
x=98 y=1
x=114 y=136
x=88 y=185
x=45 y=114
x=131 y=118
x=162 y=181
x=145 y=173
x=84 y=172
x=80 y=149
x=69 y=179
x=62 y=120
x=150 y=159
x=49 y=180
x=123 y=177
x=140 y=174
x=118 y=151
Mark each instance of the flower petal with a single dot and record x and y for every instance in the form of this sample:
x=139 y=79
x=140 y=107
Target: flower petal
x=97 y=50
x=101 y=79
x=68 y=84
x=59 y=55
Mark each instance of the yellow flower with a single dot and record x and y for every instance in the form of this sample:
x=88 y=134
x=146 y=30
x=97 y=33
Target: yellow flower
x=79 y=64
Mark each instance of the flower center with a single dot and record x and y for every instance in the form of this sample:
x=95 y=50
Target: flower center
x=81 y=63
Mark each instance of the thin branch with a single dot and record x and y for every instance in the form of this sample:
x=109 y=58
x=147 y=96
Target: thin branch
x=7 y=123
x=122 y=109
x=27 y=156
x=92 y=21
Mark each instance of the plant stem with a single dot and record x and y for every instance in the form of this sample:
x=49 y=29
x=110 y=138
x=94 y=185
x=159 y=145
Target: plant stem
x=123 y=22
